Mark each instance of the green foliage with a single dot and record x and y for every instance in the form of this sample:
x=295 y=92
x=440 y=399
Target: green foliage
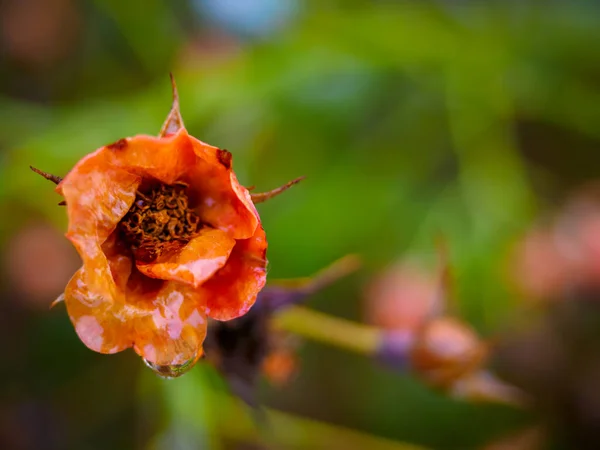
x=407 y=120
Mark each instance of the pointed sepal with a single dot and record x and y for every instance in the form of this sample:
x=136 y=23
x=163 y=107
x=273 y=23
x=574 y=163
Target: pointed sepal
x=59 y=299
x=48 y=176
x=174 y=122
x=264 y=196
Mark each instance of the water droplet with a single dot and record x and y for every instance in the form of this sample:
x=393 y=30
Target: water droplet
x=171 y=371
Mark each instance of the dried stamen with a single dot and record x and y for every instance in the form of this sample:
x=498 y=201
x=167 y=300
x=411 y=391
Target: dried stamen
x=157 y=219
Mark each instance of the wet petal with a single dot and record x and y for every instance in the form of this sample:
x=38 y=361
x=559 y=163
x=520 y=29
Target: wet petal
x=194 y=263
x=101 y=323
x=98 y=195
x=174 y=328
x=224 y=203
x=119 y=260
x=232 y=290
x=164 y=321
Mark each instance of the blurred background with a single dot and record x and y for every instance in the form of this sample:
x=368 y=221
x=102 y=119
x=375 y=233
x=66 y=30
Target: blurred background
x=473 y=119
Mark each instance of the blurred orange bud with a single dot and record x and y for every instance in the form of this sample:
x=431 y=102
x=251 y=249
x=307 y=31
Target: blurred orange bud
x=564 y=253
x=539 y=266
x=38 y=263
x=281 y=362
x=403 y=297
x=40 y=33
x=445 y=350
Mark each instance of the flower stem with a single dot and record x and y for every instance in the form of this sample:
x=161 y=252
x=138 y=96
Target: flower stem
x=330 y=330
x=480 y=386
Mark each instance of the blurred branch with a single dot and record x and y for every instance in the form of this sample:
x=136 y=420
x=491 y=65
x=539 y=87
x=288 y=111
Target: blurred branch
x=330 y=330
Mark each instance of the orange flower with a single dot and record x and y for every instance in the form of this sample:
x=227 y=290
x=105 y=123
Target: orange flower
x=168 y=237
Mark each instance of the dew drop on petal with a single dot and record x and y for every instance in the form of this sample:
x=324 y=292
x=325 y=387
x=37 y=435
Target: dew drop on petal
x=171 y=371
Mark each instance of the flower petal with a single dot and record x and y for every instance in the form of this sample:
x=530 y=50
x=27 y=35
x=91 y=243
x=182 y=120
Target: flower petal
x=166 y=326
x=174 y=329
x=194 y=263
x=225 y=204
x=99 y=322
x=119 y=260
x=98 y=195
x=166 y=159
x=232 y=290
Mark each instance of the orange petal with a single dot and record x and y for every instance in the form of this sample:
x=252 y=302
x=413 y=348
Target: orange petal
x=225 y=203
x=104 y=324
x=232 y=290
x=166 y=326
x=194 y=263
x=166 y=159
x=119 y=260
x=98 y=321
x=174 y=328
x=98 y=195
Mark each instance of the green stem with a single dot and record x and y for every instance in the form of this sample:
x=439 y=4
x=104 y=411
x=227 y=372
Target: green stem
x=329 y=330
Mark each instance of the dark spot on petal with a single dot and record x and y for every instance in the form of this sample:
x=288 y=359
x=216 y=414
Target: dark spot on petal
x=224 y=158
x=119 y=145
x=264 y=254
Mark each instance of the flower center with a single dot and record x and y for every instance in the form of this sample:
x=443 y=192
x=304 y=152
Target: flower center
x=159 y=219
